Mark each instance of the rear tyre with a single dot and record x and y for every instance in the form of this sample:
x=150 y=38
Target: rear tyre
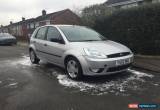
x=73 y=68
x=33 y=57
x=15 y=43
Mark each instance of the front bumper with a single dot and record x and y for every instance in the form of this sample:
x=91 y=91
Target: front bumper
x=108 y=66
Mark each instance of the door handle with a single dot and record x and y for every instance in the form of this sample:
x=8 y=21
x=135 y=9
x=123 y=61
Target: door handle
x=45 y=44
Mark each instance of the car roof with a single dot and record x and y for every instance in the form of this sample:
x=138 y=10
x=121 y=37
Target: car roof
x=58 y=25
x=61 y=25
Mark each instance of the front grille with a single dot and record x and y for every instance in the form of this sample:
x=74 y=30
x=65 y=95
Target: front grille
x=118 y=55
x=118 y=68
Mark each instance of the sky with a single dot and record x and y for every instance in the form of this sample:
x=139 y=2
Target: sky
x=14 y=10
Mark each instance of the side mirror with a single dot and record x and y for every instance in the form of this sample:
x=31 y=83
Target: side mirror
x=57 y=40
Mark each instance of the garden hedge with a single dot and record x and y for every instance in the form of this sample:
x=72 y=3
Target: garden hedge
x=137 y=28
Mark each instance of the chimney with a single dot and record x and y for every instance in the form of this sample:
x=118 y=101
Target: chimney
x=43 y=12
x=23 y=19
x=11 y=22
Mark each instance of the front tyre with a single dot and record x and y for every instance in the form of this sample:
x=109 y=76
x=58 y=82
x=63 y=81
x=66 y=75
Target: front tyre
x=34 y=59
x=73 y=68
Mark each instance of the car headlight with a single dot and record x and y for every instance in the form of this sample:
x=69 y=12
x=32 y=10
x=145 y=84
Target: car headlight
x=93 y=53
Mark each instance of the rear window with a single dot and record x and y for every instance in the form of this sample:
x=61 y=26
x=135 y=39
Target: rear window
x=41 y=33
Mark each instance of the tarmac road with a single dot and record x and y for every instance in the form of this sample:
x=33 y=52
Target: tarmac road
x=24 y=86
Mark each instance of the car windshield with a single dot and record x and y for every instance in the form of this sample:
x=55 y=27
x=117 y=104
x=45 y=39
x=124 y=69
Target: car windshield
x=80 y=34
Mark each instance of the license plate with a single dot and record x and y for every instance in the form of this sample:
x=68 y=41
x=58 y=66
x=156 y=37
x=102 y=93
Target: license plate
x=122 y=62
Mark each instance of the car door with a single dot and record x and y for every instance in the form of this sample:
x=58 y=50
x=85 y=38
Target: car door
x=55 y=46
x=40 y=41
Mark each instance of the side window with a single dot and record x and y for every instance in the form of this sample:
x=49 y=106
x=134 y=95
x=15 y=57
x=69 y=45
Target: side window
x=34 y=33
x=41 y=33
x=53 y=33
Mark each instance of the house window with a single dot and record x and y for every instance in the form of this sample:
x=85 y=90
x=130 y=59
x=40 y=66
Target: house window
x=37 y=24
x=129 y=5
x=28 y=26
x=31 y=25
x=48 y=22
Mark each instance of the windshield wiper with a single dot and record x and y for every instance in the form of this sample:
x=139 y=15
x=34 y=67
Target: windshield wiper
x=91 y=40
x=86 y=40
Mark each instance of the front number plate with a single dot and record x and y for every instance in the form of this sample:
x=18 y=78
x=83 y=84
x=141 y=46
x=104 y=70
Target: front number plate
x=122 y=62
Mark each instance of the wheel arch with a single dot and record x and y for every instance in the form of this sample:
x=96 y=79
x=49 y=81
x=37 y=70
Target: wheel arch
x=31 y=47
x=69 y=56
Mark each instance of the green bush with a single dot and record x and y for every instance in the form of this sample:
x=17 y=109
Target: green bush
x=137 y=28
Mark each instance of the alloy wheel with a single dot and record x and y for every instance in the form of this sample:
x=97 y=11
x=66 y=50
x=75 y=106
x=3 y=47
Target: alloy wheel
x=72 y=68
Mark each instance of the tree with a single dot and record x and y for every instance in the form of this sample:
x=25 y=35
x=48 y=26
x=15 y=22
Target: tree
x=92 y=13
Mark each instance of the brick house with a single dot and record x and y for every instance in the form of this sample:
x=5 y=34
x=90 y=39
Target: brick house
x=24 y=28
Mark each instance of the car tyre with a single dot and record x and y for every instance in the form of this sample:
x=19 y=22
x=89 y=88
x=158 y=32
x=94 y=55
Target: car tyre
x=73 y=68
x=33 y=57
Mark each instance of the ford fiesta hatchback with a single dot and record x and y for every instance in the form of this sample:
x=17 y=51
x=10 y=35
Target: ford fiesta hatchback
x=80 y=50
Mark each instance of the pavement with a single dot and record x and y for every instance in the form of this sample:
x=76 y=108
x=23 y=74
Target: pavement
x=23 y=43
x=24 y=86
x=150 y=63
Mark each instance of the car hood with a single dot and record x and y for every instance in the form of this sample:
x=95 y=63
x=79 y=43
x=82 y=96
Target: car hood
x=106 y=47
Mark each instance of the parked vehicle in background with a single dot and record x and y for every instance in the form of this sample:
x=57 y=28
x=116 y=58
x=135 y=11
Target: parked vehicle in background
x=7 y=39
x=80 y=50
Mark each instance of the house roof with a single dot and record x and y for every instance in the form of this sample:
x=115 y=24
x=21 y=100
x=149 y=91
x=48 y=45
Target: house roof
x=41 y=18
x=109 y=2
x=51 y=15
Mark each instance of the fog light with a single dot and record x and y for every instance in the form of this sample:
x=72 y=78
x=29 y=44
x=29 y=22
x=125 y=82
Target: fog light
x=97 y=70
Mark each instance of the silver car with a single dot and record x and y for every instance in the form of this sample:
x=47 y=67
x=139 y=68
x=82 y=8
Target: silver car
x=80 y=50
